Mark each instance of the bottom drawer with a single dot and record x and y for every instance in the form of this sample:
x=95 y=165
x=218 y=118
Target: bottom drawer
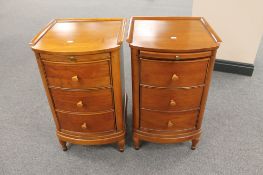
x=101 y=122
x=177 y=121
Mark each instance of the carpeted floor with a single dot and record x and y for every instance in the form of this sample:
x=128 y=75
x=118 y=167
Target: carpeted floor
x=232 y=131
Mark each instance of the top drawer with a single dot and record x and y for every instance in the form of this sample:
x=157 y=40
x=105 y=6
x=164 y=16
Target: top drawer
x=78 y=76
x=173 y=73
x=74 y=58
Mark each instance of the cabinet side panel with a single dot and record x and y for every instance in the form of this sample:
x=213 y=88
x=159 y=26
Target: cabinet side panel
x=117 y=89
x=206 y=89
x=135 y=87
x=44 y=81
x=122 y=74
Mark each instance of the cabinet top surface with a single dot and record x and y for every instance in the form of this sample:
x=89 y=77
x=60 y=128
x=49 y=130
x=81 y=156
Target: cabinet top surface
x=172 y=34
x=80 y=35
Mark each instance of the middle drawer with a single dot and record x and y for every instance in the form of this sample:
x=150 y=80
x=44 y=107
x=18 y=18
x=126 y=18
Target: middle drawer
x=83 y=101
x=164 y=99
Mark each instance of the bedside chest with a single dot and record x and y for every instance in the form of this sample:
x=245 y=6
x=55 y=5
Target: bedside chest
x=81 y=65
x=172 y=62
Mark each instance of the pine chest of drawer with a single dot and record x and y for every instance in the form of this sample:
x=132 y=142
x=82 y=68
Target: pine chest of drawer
x=81 y=65
x=172 y=62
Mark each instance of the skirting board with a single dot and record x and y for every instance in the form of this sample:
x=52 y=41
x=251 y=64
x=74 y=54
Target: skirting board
x=234 y=67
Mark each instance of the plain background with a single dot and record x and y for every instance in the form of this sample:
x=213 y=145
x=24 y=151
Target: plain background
x=232 y=131
x=239 y=23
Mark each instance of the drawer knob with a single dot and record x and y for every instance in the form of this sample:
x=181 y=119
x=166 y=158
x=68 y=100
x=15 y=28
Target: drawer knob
x=80 y=104
x=177 y=57
x=175 y=77
x=172 y=103
x=72 y=58
x=170 y=124
x=75 y=78
x=84 y=126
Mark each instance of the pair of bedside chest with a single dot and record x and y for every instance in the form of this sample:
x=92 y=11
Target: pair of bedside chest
x=81 y=65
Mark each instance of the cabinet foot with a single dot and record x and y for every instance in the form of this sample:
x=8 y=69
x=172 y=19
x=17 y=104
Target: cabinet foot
x=63 y=144
x=121 y=145
x=194 y=143
x=136 y=143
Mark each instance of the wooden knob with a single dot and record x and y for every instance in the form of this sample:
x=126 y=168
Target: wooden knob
x=80 y=104
x=170 y=124
x=177 y=57
x=84 y=126
x=172 y=103
x=175 y=77
x=72 y=58
x=75 y=78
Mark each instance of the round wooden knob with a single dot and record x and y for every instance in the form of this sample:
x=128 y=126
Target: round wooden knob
x=172 y=103
x=175 y=77
x=72 y=58
x=170 y=124
x=84 y=126
x=75 y=78
x=177 y=57
x=80 y=104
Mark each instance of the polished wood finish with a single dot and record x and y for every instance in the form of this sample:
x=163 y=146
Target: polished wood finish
x=79 y=36
x=166 y=121
x=83 y=101
x=75 y=58
x=79 y=76
x=170 y=99
x=177 y=34
x=176 y=56
x=172 y=61
x=101 y=122
x=173 y=73
x=81 y=68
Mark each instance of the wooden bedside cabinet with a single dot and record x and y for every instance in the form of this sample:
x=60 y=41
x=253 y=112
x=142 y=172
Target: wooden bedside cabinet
x=81 y=65
x=172 y=62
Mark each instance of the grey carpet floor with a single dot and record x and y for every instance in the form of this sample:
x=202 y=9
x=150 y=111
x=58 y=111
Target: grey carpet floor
x=232 y=131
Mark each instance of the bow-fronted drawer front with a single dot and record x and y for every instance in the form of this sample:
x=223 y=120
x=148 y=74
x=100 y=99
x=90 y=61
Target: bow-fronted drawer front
x=176 y=99
x=168 y=121
x=78 y=76
x=173 y=73
x=83 y=101
x=100 y=122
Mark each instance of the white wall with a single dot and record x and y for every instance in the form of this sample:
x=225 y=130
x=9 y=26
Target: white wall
x=239 y=23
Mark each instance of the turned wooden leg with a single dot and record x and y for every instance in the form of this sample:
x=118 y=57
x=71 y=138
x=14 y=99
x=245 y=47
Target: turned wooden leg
x=136 y=143
x=63 y=144
x=121 y=145
x=194 y=143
